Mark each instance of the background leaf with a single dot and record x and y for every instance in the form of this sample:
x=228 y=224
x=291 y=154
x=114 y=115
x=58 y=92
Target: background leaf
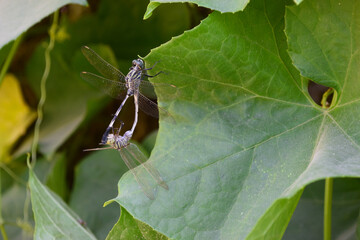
x=97 y=173
x=52 y=217
x=15 y=115
x=16 y=206
x=307 y=222
x=248 y=137
x=16 y=17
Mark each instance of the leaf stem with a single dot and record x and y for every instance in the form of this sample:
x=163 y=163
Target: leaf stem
x=324 y=102
x=10 y=57
x=327 y=207
x=52 y=34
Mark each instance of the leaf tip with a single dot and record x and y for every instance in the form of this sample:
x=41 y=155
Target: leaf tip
x=108 y=202
x=150 y=8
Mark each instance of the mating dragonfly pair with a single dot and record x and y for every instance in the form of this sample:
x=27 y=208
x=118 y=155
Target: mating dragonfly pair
x=115 y=84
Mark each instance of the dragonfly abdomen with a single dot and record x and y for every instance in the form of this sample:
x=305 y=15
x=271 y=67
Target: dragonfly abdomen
x=122 y=141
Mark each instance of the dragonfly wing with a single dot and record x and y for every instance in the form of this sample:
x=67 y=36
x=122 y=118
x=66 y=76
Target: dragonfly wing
x=141 y=158
x=112 y=88
x=152 y=109
x=148 y=106
x=129 y=161
x=105 y=68
x=147 y=88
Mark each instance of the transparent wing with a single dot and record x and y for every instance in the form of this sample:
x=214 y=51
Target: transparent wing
x=112 y=88
x=105 y=68
x=129 y=161
x=141 y=158
x=152 y=109
x=147 y=88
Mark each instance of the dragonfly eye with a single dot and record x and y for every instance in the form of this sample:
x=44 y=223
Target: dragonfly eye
x=141 y=63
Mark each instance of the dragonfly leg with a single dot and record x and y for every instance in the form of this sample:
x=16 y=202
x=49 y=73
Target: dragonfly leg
x=153 y=75
x=121 y=125
x=151 y=67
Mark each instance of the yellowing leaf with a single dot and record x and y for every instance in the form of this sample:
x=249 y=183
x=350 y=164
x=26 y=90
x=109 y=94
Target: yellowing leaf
x=15 y=115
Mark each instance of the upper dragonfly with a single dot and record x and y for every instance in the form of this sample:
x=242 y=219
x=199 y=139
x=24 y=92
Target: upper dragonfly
x=114 y=83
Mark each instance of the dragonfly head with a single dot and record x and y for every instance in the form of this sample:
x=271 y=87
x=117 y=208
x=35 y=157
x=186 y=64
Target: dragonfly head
x=139 y=63
x=110 y=140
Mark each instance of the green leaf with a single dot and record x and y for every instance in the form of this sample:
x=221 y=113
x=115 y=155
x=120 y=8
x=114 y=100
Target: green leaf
x=53 y=218
x=221 y=6
x=17 y=17
x=323 y=44
x=96 y=176
x=248 y=137
x=307 y=221
x=128 y=228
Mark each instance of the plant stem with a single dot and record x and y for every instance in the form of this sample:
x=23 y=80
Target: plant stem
x=327 y=207
x=324 y=102
x=10 y=57
x=52 y=33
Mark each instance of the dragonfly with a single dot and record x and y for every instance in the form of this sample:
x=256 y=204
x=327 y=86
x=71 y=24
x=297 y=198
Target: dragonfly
x=115 y=83
x=130 y=153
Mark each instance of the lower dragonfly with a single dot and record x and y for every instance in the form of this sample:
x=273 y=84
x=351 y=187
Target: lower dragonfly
x=130 y=152
x=115 y=83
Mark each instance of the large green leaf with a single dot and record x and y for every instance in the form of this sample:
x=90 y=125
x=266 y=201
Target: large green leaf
x=17 y=16
x=248 y=137
x=53 y=218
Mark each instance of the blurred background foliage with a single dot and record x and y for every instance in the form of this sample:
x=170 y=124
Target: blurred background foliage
x=75 y=114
